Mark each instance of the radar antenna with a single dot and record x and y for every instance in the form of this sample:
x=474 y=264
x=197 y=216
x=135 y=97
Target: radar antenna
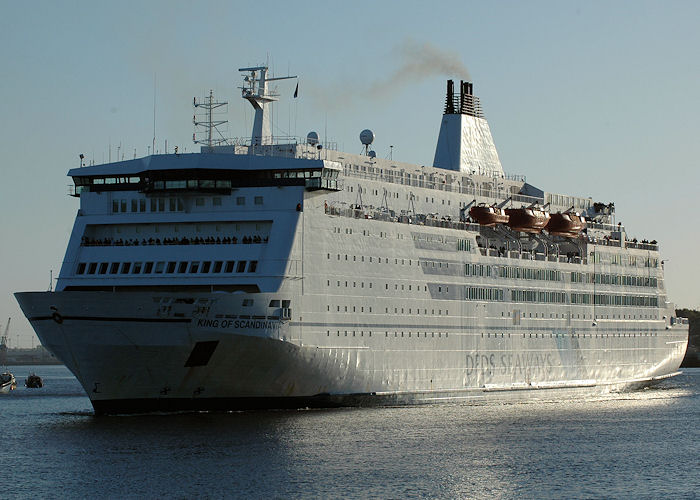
x=255 y=90
x=206 y=121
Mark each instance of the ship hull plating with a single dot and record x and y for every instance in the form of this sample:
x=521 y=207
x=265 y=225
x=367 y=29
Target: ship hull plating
x=133 y=355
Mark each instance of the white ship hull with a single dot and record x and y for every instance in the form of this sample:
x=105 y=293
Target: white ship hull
x=290 y=275
x=130 y=357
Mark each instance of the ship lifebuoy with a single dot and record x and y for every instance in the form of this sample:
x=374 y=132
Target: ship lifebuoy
x=56 y=316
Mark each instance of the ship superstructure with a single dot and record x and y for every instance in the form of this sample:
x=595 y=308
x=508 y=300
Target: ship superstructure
x=268 y=274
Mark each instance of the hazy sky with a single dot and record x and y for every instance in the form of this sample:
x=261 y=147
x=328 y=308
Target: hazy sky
x=587 y=98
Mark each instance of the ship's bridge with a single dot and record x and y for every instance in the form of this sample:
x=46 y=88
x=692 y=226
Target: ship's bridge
x=202 y=172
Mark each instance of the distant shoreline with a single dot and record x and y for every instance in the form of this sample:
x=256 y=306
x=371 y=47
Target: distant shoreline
x=37 y=356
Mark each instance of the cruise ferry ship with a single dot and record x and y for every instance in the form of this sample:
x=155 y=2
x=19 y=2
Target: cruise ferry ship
x=272 y=273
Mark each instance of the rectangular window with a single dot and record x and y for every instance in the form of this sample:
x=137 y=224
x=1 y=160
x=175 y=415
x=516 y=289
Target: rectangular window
x=199 y=202
x=194 y=267
x=142 y=205
x=81 y=268
x=161 y=204
x=216 y=201
x=126 y=266
x=115 y=206
x=114 y=268
x=229 y=266
x=172 y=204
x=154 y=205
x=103 y=268
x=205 y=267
x=171 y=267
x=217 y=266
x=148 y=268
x=123 y=205
x=137 y=268
x=252 y=266
x=175 y=184
x=240 y=200
x=159 y=267
x=241 y=266
x=258 y=200
x=182 y=267
x=134 y=205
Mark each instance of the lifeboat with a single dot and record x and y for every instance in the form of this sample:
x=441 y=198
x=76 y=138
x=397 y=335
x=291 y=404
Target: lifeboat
x=567 y=224
x=527 y=219
x=486 y=215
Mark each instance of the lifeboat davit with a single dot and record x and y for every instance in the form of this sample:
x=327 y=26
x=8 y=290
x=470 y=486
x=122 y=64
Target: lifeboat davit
x=486 y=215
x=567 y=224
x=527 y=220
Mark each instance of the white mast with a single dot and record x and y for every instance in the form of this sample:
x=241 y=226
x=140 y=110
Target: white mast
x=255 y=91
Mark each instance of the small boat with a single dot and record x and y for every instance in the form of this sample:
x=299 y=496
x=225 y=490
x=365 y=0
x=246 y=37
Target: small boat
x=567 y=224
x=33 y=381
x=7 y=382
x=488 y=215
x=527 y=219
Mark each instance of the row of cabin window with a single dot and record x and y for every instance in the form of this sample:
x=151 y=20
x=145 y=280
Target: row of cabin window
x=171 y=204
x=572 y=335
x=386 y=334
x=386 y=285
x=528 y=273
x=402 y=262
x=538 y=296
x=584 y=316
x=548 y=297
x=402 y=310
x=614 y=300
x=171 y=267
x=614 y=279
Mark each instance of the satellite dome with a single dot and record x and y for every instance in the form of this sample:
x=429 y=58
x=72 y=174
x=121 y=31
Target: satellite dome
x=367 y=137
x=312 y=138
x=372 y=154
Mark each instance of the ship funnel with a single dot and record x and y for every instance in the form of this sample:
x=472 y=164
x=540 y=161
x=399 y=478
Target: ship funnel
x=465 y=143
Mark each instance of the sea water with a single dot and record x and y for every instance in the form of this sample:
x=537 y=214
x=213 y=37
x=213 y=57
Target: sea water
x=642 y=444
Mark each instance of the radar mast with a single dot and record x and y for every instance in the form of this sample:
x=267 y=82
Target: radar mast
x=255 y=91
x=207 y=122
